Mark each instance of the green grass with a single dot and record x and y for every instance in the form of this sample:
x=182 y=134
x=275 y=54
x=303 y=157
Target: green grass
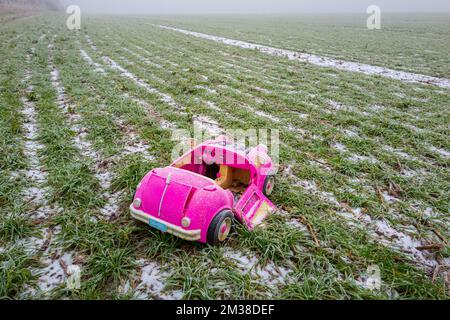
x=323 y=251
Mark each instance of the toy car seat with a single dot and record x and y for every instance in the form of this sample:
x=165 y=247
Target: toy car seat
x=225 y=177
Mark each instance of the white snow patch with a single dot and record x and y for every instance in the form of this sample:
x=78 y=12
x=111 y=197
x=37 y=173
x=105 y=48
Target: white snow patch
x=378 y=229
x=301 y=115
x=444 y=153
x=354 y=157
x=163 y=96
x=262 y=90
x=350 y=133
x=35 y=193
x=266 y=115
x=152 y=283
x=206 y=88
x=402 y=241
x=163 y=123
x=297 y=224
x=156 y=65
x=133 y=143
x=91 y=43
x=208 y=124
x=388 y=198
x=213 y=106
x=54 y=274
x=89 y=60
x=270 y=275
x=412 y=173
x=359 y=158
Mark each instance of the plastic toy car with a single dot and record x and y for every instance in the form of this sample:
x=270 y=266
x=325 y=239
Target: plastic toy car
x=196 y=197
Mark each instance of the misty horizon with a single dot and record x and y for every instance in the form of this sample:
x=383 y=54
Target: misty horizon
x=193 y=7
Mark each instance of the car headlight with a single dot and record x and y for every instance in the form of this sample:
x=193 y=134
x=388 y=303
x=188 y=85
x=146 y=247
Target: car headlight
x=137 y=202
x=185 y=222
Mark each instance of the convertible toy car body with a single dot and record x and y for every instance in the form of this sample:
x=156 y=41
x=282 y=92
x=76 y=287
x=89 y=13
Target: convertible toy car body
x=196 y=197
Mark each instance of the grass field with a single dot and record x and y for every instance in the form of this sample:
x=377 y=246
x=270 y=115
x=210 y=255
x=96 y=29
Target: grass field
x=364 y=160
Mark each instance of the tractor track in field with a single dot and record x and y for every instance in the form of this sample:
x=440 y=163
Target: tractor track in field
x=149 y=282
x=102 y=167
x=35 y=195
x=127 y=74
x=163 y=123
x=321 y=61
x=53 y=259
x=253 y=72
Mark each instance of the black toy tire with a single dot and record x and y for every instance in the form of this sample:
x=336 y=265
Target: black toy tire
x=215 y=236
x=269 y=184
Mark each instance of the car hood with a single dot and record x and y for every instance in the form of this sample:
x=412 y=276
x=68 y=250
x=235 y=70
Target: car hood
x=166 y=192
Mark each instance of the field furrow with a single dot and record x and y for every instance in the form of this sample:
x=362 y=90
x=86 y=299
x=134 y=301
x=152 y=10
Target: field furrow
x=322 y=61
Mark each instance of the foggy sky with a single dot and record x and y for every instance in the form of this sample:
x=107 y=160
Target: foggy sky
x=255 y=6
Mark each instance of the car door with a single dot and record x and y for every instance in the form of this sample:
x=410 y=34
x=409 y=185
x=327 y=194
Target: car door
x=253 y=207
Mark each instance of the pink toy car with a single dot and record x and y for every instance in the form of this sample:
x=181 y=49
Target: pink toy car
x=196 y=197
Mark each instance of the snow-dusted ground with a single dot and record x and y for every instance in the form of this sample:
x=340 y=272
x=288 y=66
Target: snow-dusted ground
x=151 y=283
x=164 y=124
x=89 y=60
x=163 y=96
x=270 y=275
x=322 y=61
x=102 y=167
x=379 y=230
x=37 y=190
x=53 y=260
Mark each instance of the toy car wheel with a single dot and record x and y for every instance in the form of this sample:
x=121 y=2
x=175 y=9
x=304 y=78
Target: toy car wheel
x=269 y=184
x=220 y=227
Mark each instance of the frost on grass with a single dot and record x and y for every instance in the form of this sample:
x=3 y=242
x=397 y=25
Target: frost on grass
x=206 y=88
x=156 y=65
x=212 y=105
x=81 y=142
x=379 y=230
x=322 y=61
x=399 y=153
x=124 y=72
x=152 y=112
x=54 y=263
x=339 y=107
x=55 y=272
x=151 y=283
x=270 y=275
x=353 y=157
x=91 y=43
x=89 y=60
x=262 y=113
x=442 y=152
x=164 y=124
x=133 y=144
x=209 y=125
x=35 y=193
